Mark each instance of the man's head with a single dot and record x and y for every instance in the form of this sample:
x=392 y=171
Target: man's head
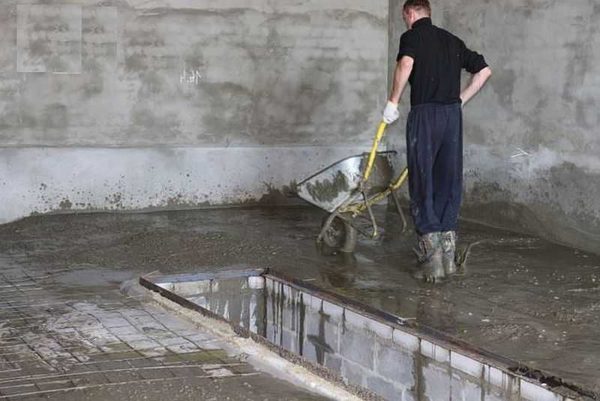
x=414 y=10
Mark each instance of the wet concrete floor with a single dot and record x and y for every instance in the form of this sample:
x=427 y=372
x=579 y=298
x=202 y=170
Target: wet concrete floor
x=522 y=297
x=68 y=331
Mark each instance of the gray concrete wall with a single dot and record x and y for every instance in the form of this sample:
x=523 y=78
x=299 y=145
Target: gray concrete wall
x=122 y=105
x=532 y=154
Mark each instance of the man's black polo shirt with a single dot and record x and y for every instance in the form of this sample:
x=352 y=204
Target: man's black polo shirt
x=438 y=57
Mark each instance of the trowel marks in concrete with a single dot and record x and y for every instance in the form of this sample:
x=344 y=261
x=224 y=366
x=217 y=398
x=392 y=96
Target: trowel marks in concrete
x=375 y=358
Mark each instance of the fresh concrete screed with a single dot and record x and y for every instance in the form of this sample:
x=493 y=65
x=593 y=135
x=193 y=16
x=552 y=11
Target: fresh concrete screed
x=132 y=105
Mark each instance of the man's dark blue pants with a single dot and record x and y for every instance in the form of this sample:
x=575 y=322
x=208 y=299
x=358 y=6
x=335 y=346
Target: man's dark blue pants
x=434 y=153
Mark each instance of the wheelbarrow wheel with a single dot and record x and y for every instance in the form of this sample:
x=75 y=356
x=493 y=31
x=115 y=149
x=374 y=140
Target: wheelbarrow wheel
x=340 y=236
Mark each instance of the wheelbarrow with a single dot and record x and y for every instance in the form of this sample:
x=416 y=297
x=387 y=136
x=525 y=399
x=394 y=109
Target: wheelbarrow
x=350 y=187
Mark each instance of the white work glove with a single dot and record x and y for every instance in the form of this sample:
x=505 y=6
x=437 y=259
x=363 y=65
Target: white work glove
x=390 y=113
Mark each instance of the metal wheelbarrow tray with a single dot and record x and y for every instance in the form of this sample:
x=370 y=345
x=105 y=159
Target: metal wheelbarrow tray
x=348 y=188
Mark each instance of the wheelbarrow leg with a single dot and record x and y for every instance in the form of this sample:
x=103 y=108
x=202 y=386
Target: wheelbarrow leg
x=399 y=209
x=326 y=226
x=371 y=216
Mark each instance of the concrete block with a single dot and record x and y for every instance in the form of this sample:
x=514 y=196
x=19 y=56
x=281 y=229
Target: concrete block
x=306 y=301
x=466 y=364
x=275 y=290
x=132 y=337
x=311 y=323
x=332 y=335
x=315 y=303
x=144 y=320
x=334 y=311
x=407 y=341
x=176 y=325
x=273 y=334
x=505 y=383
x=333 y=362
x=187 y=332
x=288 y=317
x=435 y=352
x=409 y=395
x=143 y=345
x=356 y=320
x=322 y=330
x=256 y=283
x=270 y=284
x=353 y=373
x=465 y=390
x=309 y=350
x=172 y=341
x=115 y=322
x=200 y=338
x=289 y=340
x=192 y=287
x=382 y=330
x=436 y=382
x=184 y=348
x=153 y=352
x=384 y=388
x=395 y=365
x=294 y=296
x=211 y=345
x=255 y=317
x=534 y=392
x=286 y=291
x=270 y=311
x=100 y=338
x=201 y=301
x=495 y=396
x=358 y=347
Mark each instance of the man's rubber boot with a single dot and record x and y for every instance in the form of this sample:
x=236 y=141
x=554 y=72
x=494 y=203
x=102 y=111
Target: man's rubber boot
x=429 y=259
x=448 y=241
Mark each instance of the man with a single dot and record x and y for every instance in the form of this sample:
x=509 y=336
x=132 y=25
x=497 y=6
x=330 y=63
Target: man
x=431 y=59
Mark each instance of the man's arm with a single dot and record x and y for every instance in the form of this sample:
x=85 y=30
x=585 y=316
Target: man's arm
x=477 y=82
x=401 y=74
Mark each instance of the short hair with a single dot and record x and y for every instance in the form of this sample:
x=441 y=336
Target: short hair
x=418 y=5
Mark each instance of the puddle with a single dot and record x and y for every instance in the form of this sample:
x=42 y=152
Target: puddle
x=369 y=351
x=92 y=277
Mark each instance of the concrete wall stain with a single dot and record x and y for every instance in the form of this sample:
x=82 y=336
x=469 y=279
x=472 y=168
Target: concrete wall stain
x=279 y=196
x=55 y=115
x=65 y=204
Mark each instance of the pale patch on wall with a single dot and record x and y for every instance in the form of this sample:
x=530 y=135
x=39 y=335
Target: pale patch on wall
x=49 y=38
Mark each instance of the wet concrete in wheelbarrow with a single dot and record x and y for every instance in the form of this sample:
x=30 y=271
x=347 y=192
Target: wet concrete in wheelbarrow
x=522 y=297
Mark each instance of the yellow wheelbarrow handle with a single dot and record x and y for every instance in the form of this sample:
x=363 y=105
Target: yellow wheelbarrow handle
x=373 y=153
